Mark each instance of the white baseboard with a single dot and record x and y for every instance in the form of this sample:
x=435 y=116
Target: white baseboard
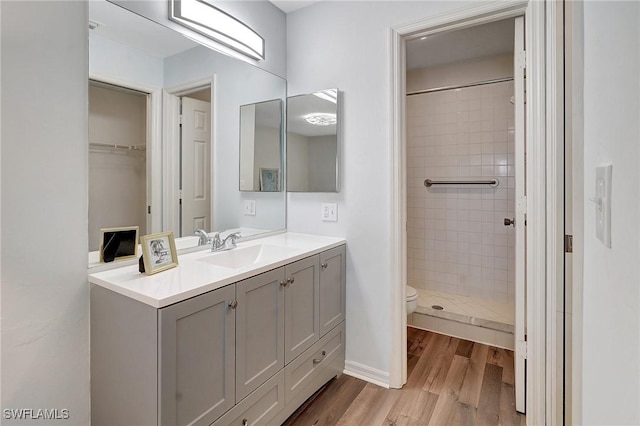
x=366 y=373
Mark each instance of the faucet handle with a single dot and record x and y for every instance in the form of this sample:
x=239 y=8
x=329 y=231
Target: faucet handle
x=230 y=240
x=216 y=238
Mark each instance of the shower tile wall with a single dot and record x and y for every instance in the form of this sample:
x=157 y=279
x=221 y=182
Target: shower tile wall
x=457 y=241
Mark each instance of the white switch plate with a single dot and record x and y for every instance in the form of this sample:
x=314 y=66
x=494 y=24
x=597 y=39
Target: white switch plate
x=603 y=203
x=329 y=212
x=250 y=207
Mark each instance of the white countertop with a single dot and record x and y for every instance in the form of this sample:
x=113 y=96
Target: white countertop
x=194 y=275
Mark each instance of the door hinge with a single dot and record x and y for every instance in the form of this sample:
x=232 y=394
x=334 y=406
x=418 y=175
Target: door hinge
x=521 y=205
x=568 y=243
x=180 y=119
x=522 y=60
x=521 y=348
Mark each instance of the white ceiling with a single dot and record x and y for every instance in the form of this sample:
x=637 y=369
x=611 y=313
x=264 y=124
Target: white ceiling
x=125 y=27
x=495 y=38
x=290 y=5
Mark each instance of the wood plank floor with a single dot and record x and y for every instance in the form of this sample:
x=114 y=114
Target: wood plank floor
x=450 y=382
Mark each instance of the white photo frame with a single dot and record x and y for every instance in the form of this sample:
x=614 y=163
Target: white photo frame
x=158 y=252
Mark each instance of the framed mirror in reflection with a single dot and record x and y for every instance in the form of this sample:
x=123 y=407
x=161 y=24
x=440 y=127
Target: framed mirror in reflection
x=313 y=149
x=261 y=146
x=135 y=154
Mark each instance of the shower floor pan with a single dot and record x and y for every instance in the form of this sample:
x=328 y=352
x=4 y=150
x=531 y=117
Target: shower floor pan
x=466 y=317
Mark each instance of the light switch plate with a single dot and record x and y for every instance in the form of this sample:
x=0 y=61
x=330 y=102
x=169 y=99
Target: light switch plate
x=603 y=203
x=329 y=212
x=250 y=207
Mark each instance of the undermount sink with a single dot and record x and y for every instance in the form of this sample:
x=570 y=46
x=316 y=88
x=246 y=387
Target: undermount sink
x=241 y=257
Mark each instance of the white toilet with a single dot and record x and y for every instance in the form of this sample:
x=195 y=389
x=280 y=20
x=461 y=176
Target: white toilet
x=412 y=299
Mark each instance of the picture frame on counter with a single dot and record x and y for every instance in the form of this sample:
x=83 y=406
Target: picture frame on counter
x=158 y=252
x=117 y=244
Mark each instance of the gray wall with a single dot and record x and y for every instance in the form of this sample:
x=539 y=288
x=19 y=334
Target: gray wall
x=43 y=199
x=611 y=293
x=358 y=64
x=45 y=295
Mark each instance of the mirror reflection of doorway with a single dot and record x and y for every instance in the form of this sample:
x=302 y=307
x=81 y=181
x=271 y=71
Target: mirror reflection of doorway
x=195 y=162
x=117 y=159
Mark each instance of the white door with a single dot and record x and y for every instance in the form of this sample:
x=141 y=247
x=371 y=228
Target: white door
x=195 y=166
x=520 y=218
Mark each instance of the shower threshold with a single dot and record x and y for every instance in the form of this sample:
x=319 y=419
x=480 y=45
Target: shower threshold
x=467 y=310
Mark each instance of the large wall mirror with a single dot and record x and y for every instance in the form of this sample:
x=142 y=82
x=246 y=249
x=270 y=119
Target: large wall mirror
x=261 y=146
x=313 y=149
x=164 y=127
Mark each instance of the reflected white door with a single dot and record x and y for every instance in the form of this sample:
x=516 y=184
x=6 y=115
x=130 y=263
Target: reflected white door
x=195 y=166
x=520 y=219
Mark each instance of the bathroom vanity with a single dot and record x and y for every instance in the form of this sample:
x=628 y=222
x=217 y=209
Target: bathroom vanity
x=241 y=337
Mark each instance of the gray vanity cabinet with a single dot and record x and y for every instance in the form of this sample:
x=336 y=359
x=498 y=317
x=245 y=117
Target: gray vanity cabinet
x=259 y=330
x=301 y=311
x=332 y=290
x=248 y=353
x=197 y=358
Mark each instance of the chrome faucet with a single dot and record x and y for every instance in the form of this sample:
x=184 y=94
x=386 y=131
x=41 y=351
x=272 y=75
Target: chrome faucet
x=204 y=237
x=227 y=244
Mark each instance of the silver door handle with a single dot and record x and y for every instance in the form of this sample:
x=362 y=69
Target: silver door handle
x=284 y=283
x=324 y=265
x=233 y=304
x=291 y=280
x=509 y=222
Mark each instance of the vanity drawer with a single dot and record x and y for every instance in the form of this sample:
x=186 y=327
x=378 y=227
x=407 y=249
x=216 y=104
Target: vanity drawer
x=259 y=407
x=316 y=366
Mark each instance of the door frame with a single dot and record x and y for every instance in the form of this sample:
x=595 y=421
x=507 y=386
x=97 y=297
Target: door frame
x=544 y=145
x=153 y=144
x=171 y=148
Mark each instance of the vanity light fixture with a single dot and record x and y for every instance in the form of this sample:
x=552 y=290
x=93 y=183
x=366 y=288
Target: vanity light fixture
x=320 y=119
x=204 y=18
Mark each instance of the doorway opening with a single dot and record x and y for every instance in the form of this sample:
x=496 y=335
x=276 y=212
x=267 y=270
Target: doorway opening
x=188 y=136
x=542 y=136
x=464 y=173
x=461 y=137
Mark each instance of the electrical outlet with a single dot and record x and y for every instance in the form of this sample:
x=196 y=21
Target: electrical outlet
x=250 y=207
x=329 y=212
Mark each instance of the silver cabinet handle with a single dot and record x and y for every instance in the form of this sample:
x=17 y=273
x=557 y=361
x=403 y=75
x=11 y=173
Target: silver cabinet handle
x=291 y=280
x=324 y=265
x=233 y=304
x=284 y=283
x=245 y=422
x=318 y=361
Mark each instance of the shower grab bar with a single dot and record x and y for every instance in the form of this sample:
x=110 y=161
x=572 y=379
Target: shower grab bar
x=492 y=182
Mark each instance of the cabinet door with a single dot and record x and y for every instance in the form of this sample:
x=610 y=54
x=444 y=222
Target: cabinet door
x=301 y=324
x=332 y=288
x=259 y=330
x=197 y=357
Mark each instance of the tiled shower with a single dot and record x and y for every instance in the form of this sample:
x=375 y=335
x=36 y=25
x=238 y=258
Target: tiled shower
x=457 y=241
